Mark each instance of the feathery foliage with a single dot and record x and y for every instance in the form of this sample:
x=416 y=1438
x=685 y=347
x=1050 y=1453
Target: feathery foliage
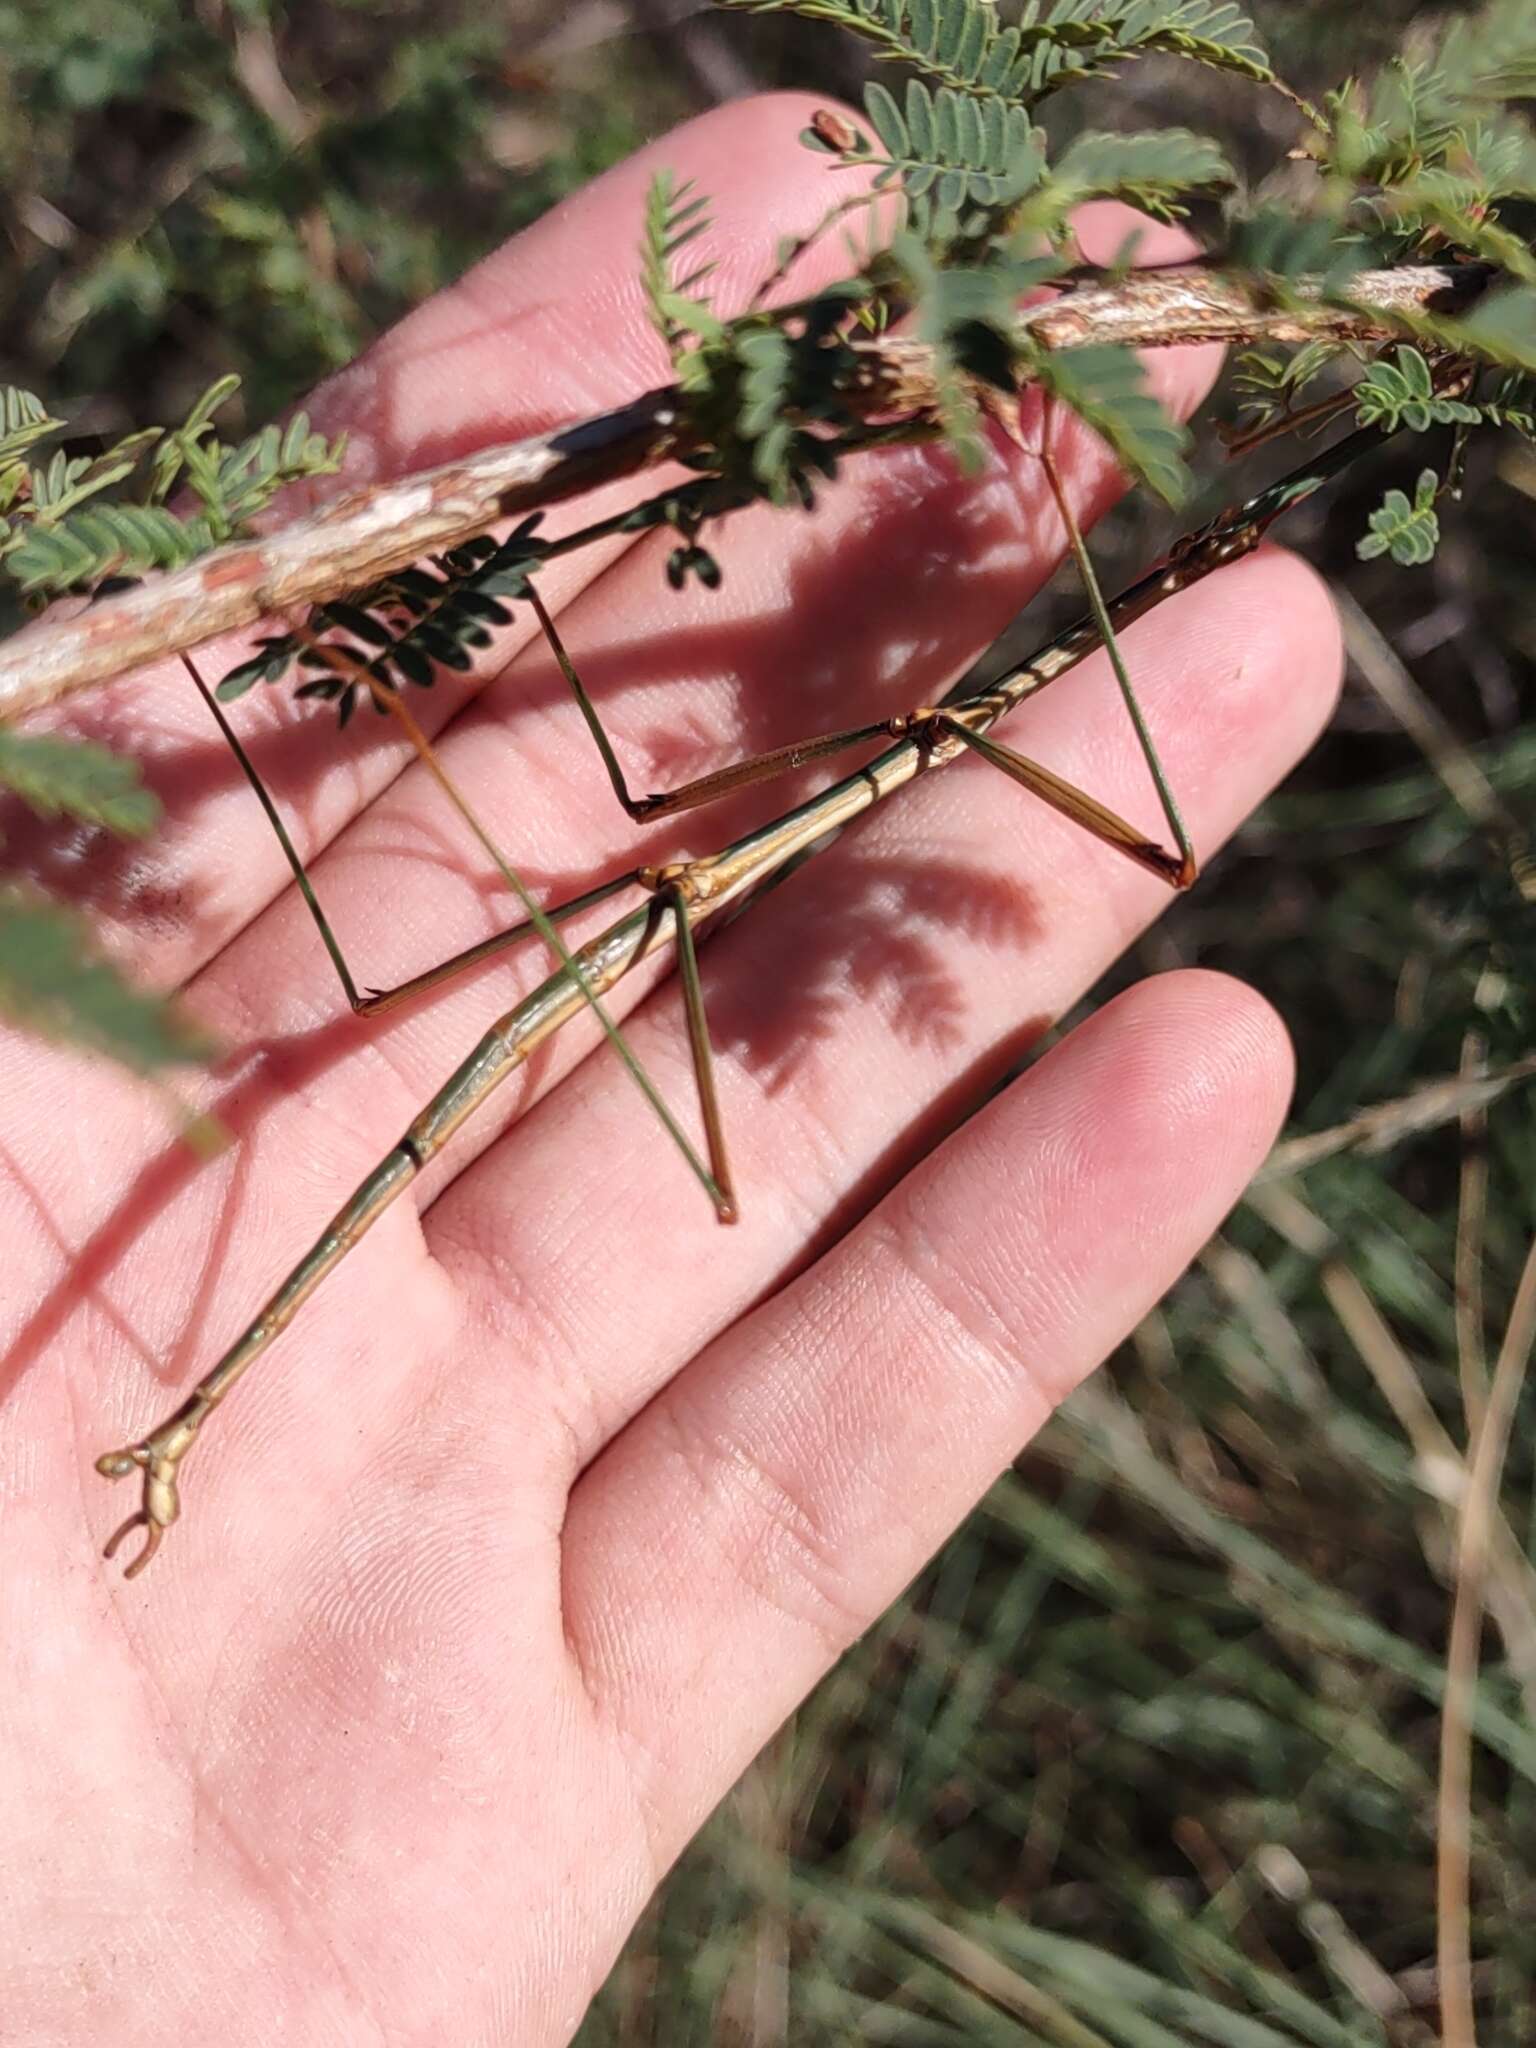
x=1400 y=393
x=54 y=980
x=24 y=420
x=55 y=537
x=949 y=150
x=74 y=551
x=1157 y=169
x=1500 y=331
x=962 y=44
x=60 y=532
x=401 y=629
x=1424 y=114
x=56 y=983
x=1407 y=529
x=78 y=779
x=1293 y=254
x=1107 y=388
x=673 y=219
x=1414 y=166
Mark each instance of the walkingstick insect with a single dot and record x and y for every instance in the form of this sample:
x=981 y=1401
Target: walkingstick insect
x=683 y=897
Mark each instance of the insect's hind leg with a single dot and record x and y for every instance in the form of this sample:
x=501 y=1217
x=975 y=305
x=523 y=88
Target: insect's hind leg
x=1177 y=868
x=675 y=887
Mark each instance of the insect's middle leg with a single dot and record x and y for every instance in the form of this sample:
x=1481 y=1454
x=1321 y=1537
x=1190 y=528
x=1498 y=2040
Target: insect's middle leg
x=369 y=1002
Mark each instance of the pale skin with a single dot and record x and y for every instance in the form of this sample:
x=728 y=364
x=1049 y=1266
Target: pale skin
x=559 y=1498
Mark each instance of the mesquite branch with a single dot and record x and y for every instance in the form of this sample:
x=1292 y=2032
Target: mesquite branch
x=367 y=533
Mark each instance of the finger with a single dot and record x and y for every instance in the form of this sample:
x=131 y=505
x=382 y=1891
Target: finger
x=767 y=1507
x=551 y=328
x=862 y=1008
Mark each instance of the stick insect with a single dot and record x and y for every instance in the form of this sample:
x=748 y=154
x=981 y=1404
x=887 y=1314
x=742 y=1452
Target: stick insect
x=681 y=897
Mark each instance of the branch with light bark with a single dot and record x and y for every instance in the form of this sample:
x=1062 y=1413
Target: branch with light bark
x=368 y=533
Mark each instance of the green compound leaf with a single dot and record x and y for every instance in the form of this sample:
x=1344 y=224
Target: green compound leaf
x=1502 y=330
x=1281 y=247
x=234 y=483
x=1492 y=56
x=54 y=982
x=103 y=540
x=403 y=628
x=1152 y=168
x=951 y=151
x=77 y=779
x=675 y=216
x=1402 y=394
x=1424 y=113
x=1410 y=533
x=23 y=420
x=55 y=534
x=1206 y=31
x=1107 y=388
x=962 y=44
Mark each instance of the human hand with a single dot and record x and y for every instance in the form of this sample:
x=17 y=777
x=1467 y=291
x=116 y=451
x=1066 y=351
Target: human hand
x=556 y=1500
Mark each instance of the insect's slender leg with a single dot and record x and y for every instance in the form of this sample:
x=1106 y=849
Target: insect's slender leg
x=704 y=789
x=275 y=819
x=1072 y=802
x=584 y=703
x=377 y=1000
x=707 y=789
x=369 y=1002
x=674 y=885
x=1189 y=865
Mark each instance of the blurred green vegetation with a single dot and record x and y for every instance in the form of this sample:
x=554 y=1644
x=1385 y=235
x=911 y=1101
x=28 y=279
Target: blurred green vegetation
x=1149 y=1756
x=193 y=189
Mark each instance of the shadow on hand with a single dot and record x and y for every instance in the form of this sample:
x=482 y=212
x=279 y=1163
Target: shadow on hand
x=927 y=569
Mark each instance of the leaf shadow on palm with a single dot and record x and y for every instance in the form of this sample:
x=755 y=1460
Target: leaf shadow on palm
x=837 y=650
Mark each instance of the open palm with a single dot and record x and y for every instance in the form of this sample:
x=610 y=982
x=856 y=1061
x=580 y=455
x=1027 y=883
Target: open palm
x=557 y=1499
